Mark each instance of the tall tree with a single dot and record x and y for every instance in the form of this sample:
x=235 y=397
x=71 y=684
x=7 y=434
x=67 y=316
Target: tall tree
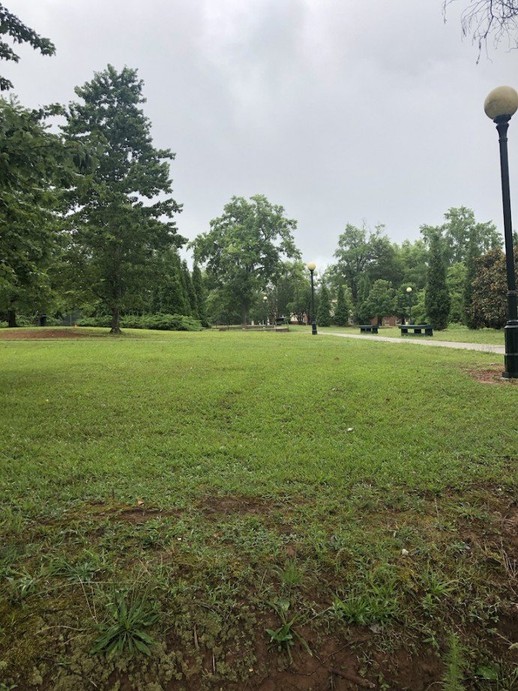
x=33 y=169
x=437 y=298
x=458 y=230
x=324 y=306
x=121 y=213
x=414 y=258
x=343 y=309
x=11 y=26
x=456 y=281
x=168 y=289
x=362 y=251
x=380 y=301
x=245 y=248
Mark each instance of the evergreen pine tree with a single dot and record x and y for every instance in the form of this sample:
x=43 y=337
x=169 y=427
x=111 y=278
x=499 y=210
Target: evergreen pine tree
x=437 y=298
x=122 y=212
x=324 y=307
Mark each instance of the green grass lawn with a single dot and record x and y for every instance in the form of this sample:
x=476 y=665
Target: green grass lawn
x=214 y=510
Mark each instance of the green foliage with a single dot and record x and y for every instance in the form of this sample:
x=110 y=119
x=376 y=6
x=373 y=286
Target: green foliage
x=285 y=636
x=159 y=322
x=362 y=311
x=169 y=293
x=342 y=310
x=454 y=674
x=324 y=306
x=124 y=628
x=456 y=282
x=489 y=290
x=287 y=295
x=437 y=297
x=121 y=213
x=364 y=253
x=470 y=316
x=201 y=295
x=459 y=231
x=19 y=33
x=245 y=248
x=189 y=290
x=414 y=258
x=33 y=165
x=380 y=301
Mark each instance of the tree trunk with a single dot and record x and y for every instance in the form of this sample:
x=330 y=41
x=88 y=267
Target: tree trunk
x=244 y=314
x=115 y=325
x=11 y=318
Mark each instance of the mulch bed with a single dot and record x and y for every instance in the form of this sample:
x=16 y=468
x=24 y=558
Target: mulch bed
x=43 y=332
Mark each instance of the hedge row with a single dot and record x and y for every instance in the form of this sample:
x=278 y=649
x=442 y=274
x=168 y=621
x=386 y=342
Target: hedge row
x=160 y=322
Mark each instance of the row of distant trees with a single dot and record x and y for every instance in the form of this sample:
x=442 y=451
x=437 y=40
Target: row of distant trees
x=87 y=225
x=455 y=271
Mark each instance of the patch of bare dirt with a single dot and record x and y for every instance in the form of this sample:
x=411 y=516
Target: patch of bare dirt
x=44 y=333
x=491 y=375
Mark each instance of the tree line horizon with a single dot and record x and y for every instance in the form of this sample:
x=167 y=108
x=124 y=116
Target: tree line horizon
x=88 y=227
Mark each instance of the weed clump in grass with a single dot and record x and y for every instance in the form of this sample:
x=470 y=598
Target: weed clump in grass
x=124 y=628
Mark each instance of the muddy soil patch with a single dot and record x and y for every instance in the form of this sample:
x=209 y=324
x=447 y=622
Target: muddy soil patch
x=44 y=333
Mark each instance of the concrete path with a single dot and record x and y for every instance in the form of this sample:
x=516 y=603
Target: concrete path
x=417 y=340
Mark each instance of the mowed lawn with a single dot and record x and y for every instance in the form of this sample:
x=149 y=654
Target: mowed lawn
x=256 y=510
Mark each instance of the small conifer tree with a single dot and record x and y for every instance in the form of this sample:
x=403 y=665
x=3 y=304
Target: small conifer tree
x=437 y=297
x=324 y=307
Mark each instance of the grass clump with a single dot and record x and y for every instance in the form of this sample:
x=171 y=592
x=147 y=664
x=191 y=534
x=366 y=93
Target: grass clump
x=124 y=629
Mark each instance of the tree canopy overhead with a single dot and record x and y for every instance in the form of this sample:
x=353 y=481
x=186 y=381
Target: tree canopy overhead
x=11 y=26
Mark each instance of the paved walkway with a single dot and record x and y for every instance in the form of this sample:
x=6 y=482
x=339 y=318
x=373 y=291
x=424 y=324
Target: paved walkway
x=417 y=340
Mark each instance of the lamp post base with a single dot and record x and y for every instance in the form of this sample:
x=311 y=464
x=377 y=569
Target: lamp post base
x=314 y=328
x=511 y=350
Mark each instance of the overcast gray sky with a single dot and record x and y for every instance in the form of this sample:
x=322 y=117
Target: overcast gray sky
x=343 y=111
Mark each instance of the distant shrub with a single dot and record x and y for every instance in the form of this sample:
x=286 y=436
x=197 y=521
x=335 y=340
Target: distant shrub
x=103 y=321
x=159 y=322
x=162 y=322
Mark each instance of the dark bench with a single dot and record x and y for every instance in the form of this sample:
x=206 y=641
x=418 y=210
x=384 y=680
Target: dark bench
x=368 y=328
x=418 y=329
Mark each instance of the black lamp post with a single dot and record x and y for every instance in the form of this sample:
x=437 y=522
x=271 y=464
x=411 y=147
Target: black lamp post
x=312 y=266
x=265 y=303
x=500 y=106
x=409 y=293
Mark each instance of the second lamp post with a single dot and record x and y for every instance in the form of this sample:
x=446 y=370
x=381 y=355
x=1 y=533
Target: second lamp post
x=312 y=266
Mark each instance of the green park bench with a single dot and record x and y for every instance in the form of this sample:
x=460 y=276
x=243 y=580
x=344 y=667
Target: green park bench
x=368 y=328
x=418 y=329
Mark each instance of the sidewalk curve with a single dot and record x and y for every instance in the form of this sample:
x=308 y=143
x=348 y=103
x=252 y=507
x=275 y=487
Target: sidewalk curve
x=482 y=347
